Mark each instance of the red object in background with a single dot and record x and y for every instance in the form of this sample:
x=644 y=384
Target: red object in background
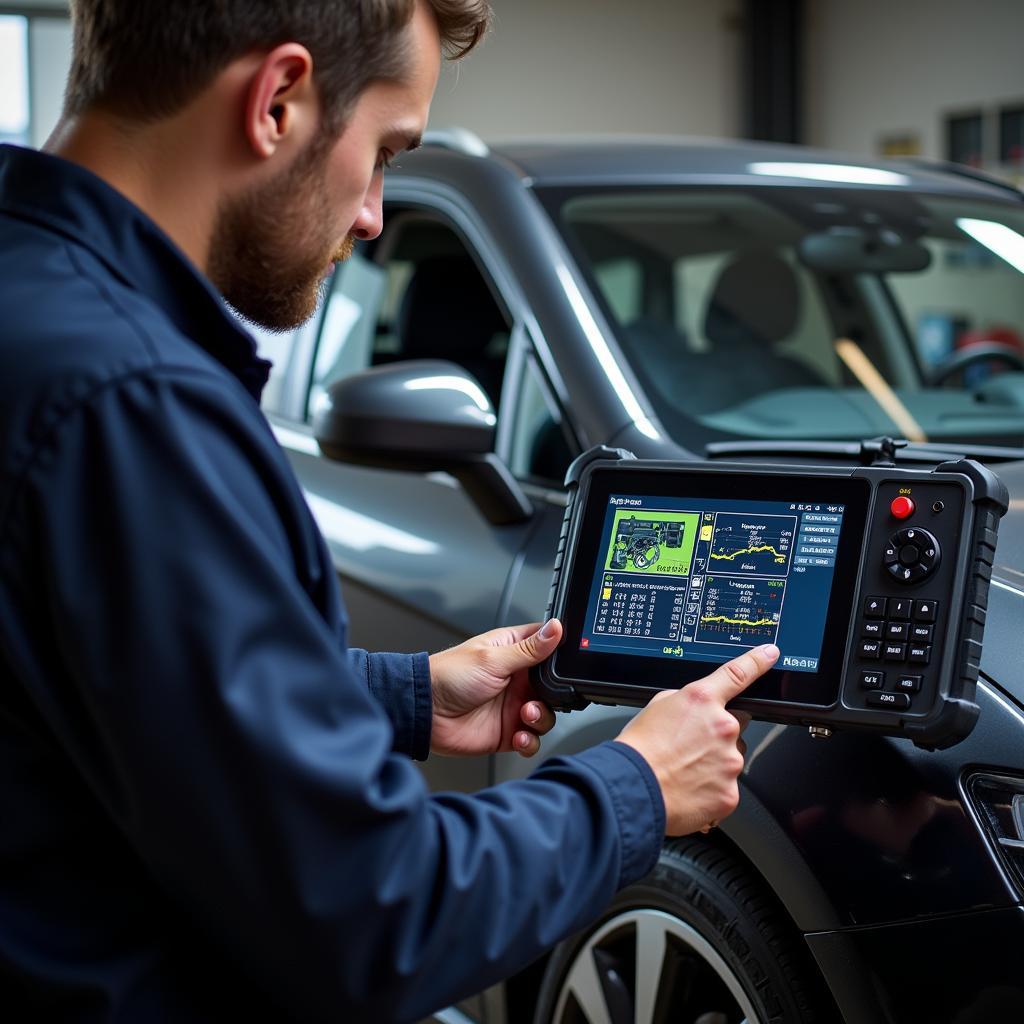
x=584 y=642
x=980 y=335
x=902 y=507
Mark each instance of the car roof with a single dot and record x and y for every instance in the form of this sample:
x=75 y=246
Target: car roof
x=651 y=160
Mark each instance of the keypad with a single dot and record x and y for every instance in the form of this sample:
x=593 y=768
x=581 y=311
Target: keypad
x=895 y=630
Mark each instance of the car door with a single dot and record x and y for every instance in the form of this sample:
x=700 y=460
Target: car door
x=420 y=566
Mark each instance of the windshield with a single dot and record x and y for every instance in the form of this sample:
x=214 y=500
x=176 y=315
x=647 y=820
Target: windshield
x=812 y=313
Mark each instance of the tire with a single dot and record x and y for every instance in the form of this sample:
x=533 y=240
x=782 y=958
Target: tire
x=716 y=948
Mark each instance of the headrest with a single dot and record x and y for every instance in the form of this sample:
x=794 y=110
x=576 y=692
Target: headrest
x=447 y=312
x=756 y=298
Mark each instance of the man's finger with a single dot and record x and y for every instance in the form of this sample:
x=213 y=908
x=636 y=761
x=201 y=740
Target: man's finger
x=732 y=678
x=525 y=744
x=538 y=716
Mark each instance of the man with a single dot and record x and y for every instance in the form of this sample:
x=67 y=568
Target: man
x=209 y=806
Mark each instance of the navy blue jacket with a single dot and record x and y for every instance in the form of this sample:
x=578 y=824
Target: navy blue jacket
x=208 y=807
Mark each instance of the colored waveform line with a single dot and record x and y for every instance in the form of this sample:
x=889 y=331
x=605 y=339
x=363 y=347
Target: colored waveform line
x=756 y=549
x=738 y=622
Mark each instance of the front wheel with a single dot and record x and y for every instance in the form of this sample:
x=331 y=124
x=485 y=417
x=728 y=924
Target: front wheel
x=699 y=941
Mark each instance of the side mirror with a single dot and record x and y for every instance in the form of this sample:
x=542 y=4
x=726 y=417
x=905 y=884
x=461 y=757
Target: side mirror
x=421 y=416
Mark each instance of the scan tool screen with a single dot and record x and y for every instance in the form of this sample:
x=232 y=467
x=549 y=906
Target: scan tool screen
x=705 y=579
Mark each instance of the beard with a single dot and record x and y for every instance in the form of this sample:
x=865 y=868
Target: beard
x=270 y=252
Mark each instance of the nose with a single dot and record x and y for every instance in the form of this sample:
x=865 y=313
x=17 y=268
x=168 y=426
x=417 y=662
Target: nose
x=370 y=221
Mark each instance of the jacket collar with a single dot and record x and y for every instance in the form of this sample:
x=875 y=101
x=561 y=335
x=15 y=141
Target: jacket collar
x=66 y=198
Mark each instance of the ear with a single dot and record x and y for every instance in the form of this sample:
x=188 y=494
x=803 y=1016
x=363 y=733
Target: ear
x=281 y=103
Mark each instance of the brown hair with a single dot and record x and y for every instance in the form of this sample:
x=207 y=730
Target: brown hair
x=147 y=60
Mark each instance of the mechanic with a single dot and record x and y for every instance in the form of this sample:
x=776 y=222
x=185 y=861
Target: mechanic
x=209 y=803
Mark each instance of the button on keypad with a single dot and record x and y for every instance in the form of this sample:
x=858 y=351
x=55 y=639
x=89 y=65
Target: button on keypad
x=870 y=649
x=924 y=610
x=920 y=654
x=872 y=680
x=899 y=701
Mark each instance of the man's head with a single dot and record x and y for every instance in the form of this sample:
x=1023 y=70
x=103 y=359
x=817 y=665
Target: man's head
x=146 y=61
x=317 y=96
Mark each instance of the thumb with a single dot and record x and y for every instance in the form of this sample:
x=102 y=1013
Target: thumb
x=532 y=649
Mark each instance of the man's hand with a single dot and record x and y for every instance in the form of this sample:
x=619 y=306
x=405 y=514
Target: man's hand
x=483 y=700
x=693 y=744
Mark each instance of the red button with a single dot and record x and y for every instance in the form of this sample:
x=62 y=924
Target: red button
x=902 y=508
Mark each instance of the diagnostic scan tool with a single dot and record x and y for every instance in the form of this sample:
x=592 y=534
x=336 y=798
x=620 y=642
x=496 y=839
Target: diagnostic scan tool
x=872 y=581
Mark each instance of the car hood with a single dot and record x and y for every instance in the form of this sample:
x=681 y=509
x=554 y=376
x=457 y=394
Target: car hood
x=1003 y=653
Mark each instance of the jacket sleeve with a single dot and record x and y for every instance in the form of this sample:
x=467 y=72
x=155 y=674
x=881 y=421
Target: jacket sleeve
x=401 y=685
x=206 y=702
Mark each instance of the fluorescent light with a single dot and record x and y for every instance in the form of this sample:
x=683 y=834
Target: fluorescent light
x=843 y=173
x=1000 y=239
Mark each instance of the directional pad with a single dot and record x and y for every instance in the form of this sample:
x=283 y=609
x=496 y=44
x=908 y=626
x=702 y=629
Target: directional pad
x=911 y=554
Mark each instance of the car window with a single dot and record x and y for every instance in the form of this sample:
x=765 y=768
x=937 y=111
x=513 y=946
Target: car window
x=969 y=296
x=419 y=294
x=540 y=448
x=799 y=313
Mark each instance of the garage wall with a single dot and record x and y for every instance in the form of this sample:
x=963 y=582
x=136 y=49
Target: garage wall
x=888 y=67
x=655 y=66
x=650 y=66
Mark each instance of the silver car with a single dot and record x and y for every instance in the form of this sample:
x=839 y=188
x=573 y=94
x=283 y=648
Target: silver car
x=691 y=300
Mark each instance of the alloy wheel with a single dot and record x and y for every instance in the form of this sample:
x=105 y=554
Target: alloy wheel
x=645 y=966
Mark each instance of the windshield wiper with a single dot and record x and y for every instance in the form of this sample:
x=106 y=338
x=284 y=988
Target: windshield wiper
x=872 y=451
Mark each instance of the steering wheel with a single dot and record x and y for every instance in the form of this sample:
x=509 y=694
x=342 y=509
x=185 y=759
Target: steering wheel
x=979 y=353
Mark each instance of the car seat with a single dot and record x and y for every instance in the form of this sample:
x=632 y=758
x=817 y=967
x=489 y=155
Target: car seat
x=754 y=306
x=448 y=312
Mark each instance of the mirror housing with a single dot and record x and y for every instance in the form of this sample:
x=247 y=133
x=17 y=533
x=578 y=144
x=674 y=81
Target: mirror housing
x=857 y=250
x=421 y=416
